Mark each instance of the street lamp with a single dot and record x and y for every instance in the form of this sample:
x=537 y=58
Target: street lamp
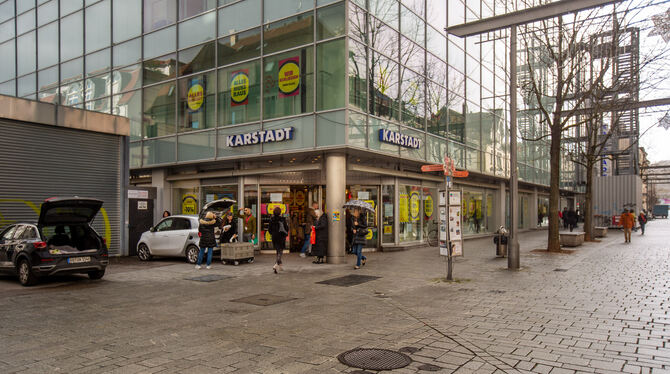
x=511 y=21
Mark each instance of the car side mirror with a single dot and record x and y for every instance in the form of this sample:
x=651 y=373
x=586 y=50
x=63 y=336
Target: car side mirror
x=152 y=229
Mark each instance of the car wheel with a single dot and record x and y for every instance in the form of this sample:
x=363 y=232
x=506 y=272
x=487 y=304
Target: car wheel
x=26 y=276
x=192 y=254
x=143 y=252
x=96 y=274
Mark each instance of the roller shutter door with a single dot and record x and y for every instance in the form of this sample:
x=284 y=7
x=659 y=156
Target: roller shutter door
x=39 y=161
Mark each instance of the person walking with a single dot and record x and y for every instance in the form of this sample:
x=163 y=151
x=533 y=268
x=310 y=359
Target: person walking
x=627 y=221
x=320 y=247
x=360 y=231
x=349 y=233
x=278 y=229
x=310 y=219
x=249 y=222
x=229 y=233
x=571 y=219
x=207 y=238
x=564 y=215
x=642 y=219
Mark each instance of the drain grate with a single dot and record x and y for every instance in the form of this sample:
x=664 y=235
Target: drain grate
x=429 y=367
x=374 y=359
x=263 y=299
x=349 y=280
x=561 y=270
x=208 y=278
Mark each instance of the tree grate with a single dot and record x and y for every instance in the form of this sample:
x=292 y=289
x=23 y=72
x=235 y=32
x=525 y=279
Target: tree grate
x=208 y=278
x=263 y=300
x=374 y=359
x=349 y=280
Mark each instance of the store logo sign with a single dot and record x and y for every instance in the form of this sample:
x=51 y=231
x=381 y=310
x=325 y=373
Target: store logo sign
x=239 y=87
x=262 y=136
x=392 y=137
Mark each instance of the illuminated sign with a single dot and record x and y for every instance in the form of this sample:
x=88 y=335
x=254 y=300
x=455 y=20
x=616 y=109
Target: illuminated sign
x=261 y=136
x=392 y=137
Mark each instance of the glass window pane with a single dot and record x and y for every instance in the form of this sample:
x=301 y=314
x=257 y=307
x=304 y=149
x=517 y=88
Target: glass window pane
x=127 y=53
x=416 y=5
x=159 y=110
x=7 y=61
x=7 y=31
x=47 y=12
x=72 y=36
x=412 y=55
x=159 y=13
x=197 y=101
x=158 y=151
x=358 y=84
x=72 y=93
x=288 y=33
x=384 y=75
x=289 y=78
x=437 y=43
x=357 y=130
x=240 y=93
x=26 y=56
x=279 y=9
x=8 y=88
x=100 y=105
x=98 y=26
x=413 y=26
x=127 y=19
x=357 y=23
x=385 y=10
x=160 y=42
x=330 y=21
x=25 y=22
x=412 y=98
x=197 y=146
x=330 y=128
x=409 y=208
x=330 y=61
x=47 y=50
x=27 y=84
x=6 y=10
x=437 y=14
x=23 y=5
x=135 y=154
x=230 y=21
x=97 y=87
x=197 y=30
x=69 y=6
x=303 y=134
x=47 y=79
x=196 y=59
x=72 y=70
x=383 y=38
x=239 y=47
x=160 y=69
x=437 y=109
x=98 y=62
x=129 y=105
x=188 y=8
x=126 y=79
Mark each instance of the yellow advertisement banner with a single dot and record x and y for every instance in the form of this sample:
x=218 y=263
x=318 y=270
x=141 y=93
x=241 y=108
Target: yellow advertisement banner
x=403 y=207
x=414 y=205
x=189 y=204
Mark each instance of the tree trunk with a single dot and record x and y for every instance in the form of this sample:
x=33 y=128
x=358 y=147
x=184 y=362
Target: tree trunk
x=553 y=240
x=588 y=202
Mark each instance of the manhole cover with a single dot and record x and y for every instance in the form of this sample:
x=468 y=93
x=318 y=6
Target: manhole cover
x=408 y=349
x=429 y=367
x=208 y=278
x=374 y=359
x=561 y=270
x=349 y=280
x=263 y=299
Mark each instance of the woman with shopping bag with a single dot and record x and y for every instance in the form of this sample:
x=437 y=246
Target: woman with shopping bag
x=320 y=237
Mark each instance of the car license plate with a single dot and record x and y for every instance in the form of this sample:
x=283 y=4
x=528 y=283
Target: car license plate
x=78 y=260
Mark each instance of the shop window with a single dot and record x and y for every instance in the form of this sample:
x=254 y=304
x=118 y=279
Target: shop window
x=473 y=218
x=239 y=47
x=159 y=69
x=330 y=79
x=330 y=21
x=288 y=81
x=271 y=198
x=159 y=13
x=409 y=209
x=159 y=110
x=251 y=202
x=388 y=214
x=369 y=194
x=196 y=59
x=230 y=21
x=358 y=84
x=212 y=193
x=239 y=93
x=288 y=33
x=197 y=101
x=186 y=201
x=430 y=214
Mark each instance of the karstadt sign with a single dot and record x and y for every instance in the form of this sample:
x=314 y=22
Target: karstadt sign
x=393 y=137
x=261 y=136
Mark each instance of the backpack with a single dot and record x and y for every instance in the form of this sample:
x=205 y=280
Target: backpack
x=282 y=228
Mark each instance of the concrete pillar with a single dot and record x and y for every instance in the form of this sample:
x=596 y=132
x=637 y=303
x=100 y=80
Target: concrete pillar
x=500 y=206
x=533 y=209
x=336 y=184
x=163 y=193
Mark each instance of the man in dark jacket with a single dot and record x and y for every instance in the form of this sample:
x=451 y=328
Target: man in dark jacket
x=310 y=219
x=571 y=219
x=320 y=248
x=207 y=238
x=360 y=232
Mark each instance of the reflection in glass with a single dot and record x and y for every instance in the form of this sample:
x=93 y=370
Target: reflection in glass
x=188 y=8
x=456 y=118
x=357 y=76
x=158 y=151
x=197 y=30
x=437 y=14
x=412 y=98
x=97 y=87
x=357 y=23
x=412 y=56
x=384 y=86
x=7 y=31
x=436 y=43
x=72 y=93
x=279 y=9
x=71 y=36
x=383 y=38
x=127 y=53
x=7 y=60
x=386 y=11
x=98 y=32
x=437 y=109
x=240 y=47
x=126 y=79
x=160 y=42
x=47 y=12
x=288 y=80
x=129 y=105
x=26 y=85
x=159 y=13
x=159 y=69
x=409 y=208
x=127 y=19
x=47 y=48
x=159 y=110
x=196 y=59
x=330 y=21
x=412 y=26
x=98 y=62
x=243 y=104
x=330 y=61
x=25 y=49
x=198 y=146
x=25 y=22
x=197 y=100
x=47 y=79
x=230 y=21
x=291 y=32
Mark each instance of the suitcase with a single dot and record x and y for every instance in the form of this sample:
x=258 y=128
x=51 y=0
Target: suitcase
x=237 y=252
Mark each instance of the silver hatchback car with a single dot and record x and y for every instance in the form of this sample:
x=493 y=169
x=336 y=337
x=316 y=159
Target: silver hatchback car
x=177 y=236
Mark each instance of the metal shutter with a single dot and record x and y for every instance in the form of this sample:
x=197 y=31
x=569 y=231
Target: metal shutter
x=39 y=161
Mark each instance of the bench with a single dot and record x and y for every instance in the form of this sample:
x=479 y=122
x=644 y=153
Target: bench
x=600 y=232
x=571 y=239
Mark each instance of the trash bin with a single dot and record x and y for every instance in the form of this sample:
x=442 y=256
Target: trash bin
x=500 y=240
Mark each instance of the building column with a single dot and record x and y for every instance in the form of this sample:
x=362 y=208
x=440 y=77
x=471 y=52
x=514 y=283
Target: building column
x=163 y=200
x=336 y=185
x=533 y=209
x=500 y=206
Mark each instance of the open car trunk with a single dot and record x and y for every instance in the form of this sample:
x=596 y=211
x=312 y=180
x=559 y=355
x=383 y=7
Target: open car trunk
x=73 y=238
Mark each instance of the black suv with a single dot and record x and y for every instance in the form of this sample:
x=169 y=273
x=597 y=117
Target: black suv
x=62 y=242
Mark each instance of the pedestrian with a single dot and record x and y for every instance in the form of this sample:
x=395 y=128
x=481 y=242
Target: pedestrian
x=166 y=213
x=642 y=218
x=278 y=229
x=310 y=219
x=207 y=238
x=229 y=233
x=349 y=230
x=320 y=247
x=360 y=231
x=627 y=221
x=572 y=219
x=249 y=222
x=564 y=215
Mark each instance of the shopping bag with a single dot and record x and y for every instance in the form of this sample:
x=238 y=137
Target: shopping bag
x=312 y=237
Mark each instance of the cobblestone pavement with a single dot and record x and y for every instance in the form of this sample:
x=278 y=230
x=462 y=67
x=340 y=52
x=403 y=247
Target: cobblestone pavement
x=601 y=309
